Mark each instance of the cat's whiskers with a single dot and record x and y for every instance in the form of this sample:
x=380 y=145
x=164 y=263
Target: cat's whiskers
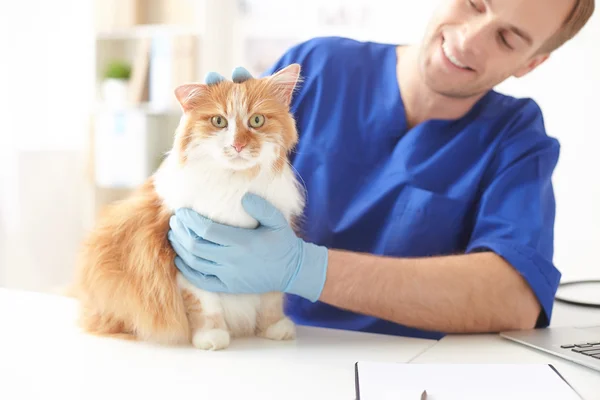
x=297 y=173
x=287 y=161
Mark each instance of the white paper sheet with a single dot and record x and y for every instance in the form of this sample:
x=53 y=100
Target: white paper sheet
x=382 y=381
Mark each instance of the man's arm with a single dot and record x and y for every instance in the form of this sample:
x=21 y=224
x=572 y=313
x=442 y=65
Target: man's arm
x=478 y=292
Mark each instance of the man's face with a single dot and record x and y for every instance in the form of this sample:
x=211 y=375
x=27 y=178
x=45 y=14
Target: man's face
x=473 y=45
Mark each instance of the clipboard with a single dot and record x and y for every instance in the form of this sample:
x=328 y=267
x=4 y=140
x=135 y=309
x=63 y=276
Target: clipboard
x=399 y=381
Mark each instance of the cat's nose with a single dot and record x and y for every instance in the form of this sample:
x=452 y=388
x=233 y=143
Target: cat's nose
x=238 y=146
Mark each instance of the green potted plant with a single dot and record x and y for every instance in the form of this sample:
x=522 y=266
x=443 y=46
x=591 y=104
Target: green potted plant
x=115 y=83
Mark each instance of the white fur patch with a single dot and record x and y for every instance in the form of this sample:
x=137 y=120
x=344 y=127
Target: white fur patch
x=239 y=311
x=215 y=192
x=213 y=339
x=231 y=129
x=284 y=329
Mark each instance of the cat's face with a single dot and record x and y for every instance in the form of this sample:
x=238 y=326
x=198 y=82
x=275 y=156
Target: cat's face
x=240 y=125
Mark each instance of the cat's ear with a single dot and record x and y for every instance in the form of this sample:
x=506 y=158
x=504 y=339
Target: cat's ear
x=188 y=94
x=285 y=82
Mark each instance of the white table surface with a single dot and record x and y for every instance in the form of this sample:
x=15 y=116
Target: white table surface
x=43 y=355
x=491 y=348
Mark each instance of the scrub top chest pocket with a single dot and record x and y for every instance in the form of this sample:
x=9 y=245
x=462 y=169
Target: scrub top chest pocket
x=424 y=223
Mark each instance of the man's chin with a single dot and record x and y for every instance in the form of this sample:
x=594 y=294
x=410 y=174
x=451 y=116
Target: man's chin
x=448 y=86
x=464 y=91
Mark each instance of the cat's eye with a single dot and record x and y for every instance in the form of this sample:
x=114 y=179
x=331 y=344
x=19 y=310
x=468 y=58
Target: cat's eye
x=256 y=121
x=219 y=121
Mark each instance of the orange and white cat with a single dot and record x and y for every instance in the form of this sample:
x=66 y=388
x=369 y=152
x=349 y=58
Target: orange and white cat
x=233 y=138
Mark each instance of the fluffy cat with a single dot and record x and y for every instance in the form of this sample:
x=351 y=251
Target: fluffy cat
x=233 y=138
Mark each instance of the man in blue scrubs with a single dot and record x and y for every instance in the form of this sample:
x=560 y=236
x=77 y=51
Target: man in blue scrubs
x=430 y=206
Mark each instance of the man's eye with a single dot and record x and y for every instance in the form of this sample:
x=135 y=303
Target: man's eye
x=504 y=41
x=473 y=5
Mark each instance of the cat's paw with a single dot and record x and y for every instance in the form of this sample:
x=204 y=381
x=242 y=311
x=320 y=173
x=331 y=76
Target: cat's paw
x=284 y=329
x=213 y=339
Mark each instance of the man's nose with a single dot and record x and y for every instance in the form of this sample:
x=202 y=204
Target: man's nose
x=472 y=37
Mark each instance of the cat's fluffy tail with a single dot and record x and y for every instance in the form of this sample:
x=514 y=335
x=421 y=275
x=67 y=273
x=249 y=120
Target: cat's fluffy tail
x=126 y=282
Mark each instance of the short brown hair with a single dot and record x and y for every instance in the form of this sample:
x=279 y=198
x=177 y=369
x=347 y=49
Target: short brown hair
x=577 y=18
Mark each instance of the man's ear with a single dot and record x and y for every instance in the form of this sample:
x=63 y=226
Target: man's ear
x=532 y=64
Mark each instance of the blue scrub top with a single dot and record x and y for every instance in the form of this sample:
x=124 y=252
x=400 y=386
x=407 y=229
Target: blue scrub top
x=480 y=182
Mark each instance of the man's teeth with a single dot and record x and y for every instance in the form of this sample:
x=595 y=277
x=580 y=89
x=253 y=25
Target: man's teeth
x=451 y=57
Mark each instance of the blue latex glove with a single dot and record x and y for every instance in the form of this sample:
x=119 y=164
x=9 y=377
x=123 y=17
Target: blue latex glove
x=270 y=258
x=239 y=75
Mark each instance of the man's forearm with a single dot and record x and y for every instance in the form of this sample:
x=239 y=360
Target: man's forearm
x=477 y=292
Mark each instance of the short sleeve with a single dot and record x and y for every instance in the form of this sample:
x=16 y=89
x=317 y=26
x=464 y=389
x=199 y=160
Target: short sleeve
x=289 y=57
x=516 y=211
x=304 y=53
x=314 y=57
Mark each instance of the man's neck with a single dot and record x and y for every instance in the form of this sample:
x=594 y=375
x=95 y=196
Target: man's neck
x=420 y=102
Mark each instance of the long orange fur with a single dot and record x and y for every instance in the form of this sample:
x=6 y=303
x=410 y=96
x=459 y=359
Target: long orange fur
x=126 y=280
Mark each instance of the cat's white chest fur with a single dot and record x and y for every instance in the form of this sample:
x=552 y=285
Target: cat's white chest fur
x=217 y=193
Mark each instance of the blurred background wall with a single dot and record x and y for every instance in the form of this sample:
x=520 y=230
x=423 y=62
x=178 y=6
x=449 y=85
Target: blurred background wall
x=86 y=107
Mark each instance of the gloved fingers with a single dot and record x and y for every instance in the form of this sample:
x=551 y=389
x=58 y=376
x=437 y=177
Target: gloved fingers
x=202 y=281
x=188 y=222
x=200 y=261
x=207 y=229
x=185 y=234
x=263 y=211
x=212 y=78
x=240 y=74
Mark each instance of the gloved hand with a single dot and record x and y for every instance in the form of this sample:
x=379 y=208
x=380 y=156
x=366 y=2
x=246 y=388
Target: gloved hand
x=238 y=75
x=222 y=258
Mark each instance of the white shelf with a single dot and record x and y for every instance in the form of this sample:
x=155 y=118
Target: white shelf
x=144 y=31
x=290 y=31
x=146 y=108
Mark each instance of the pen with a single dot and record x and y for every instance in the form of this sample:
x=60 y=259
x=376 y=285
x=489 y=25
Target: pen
x=424 y=395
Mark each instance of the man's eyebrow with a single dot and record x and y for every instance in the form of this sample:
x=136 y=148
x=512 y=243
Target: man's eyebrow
x=524 y=35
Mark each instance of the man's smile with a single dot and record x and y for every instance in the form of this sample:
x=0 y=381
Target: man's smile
x=452 y=58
